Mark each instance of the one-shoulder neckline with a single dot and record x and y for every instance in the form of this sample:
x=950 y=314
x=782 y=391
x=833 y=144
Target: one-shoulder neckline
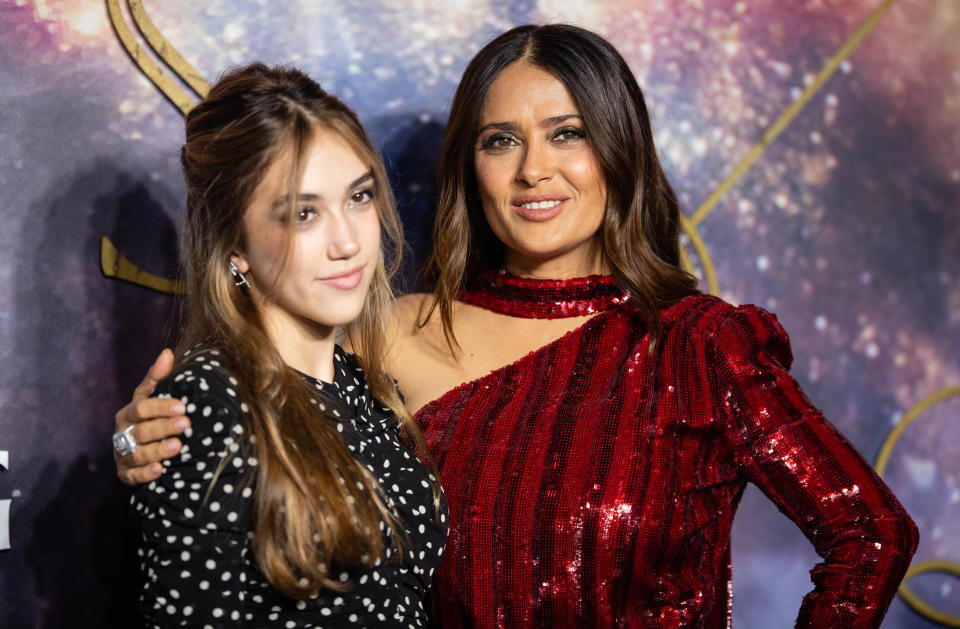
x=438 y=401
x=424 y=410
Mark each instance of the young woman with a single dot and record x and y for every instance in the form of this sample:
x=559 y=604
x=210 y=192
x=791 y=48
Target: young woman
x=292 y=501
x=594 y=418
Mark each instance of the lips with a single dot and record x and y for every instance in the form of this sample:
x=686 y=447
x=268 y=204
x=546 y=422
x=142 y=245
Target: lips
x=539 y=208
x=345 y=280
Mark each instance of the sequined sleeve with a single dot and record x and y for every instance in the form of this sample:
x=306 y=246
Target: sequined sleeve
x=812 y=473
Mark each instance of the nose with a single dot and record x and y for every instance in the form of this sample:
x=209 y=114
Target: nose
x=342 y=243
x=536 y=164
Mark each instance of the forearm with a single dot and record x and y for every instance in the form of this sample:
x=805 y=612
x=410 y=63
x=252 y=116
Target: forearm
x=861 y=531
x=860 y=576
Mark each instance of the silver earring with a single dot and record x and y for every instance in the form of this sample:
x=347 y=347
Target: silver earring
x=238 y=277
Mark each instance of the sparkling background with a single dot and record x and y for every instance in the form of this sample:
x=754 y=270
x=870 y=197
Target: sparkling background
x=848 y=228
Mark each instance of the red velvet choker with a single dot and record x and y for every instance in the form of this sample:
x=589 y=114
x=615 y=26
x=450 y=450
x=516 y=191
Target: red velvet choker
x=530 y=298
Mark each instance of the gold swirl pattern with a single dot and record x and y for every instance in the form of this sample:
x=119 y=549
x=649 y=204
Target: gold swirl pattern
x=781 y=123
x=925 y=567
x=166 y=52
x=111 y=262
x=116 y=266
x=689 y=226
x=706 y=263
x=152 y=70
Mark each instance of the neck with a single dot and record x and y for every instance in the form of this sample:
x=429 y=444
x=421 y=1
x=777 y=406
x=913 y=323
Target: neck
x=559 y=267
x=537 y=298
x=303 y=345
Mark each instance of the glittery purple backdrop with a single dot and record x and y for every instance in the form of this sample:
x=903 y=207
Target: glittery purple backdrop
x=847 y=227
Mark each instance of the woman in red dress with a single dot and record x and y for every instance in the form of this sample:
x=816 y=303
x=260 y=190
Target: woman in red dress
x=594 y=418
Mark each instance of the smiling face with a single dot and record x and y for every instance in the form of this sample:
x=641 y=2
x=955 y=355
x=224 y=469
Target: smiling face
x=313 y=275
x=540 y=185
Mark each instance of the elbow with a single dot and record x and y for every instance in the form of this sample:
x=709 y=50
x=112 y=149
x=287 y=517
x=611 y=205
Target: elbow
x=907 y=533
x=898 y=536
x=911 y=535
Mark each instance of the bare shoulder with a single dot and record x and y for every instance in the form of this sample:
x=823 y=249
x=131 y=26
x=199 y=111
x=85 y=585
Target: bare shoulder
x=407 y=312
x=418 y=351
x=410 y=326
x=408 y=336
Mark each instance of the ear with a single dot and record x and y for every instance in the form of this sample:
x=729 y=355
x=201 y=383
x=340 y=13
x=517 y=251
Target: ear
x=240 y=261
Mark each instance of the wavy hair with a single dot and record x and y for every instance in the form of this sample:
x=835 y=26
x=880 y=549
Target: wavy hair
x=640 y=228
x=315 y=505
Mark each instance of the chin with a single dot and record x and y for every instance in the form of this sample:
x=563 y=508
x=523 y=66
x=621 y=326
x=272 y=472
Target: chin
x=342 y=318
x=547 y=252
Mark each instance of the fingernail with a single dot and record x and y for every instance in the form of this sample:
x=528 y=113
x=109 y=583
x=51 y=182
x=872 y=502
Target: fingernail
x=170 y=446
x=178 y=408
x=181 y=424
x=155 y=468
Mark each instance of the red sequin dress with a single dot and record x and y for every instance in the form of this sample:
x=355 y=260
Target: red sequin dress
x=593 y=483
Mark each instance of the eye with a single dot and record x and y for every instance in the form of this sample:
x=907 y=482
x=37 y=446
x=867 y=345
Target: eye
x=499 y=141
x=569 y=134
x=362 y=197
x=305 y=213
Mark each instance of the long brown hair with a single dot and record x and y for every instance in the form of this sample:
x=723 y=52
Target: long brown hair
x=315 y=505
x=640 y=229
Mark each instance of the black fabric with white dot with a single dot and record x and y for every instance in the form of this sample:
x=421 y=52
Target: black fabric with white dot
x=196 y=559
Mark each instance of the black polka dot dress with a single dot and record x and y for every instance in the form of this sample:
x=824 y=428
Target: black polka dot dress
x=197 y=563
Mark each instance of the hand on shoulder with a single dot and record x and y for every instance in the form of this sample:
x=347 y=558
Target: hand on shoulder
x=154 y=424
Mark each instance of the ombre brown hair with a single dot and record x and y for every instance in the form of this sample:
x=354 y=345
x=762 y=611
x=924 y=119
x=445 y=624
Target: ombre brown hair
x=315 y=506
x=640 y=229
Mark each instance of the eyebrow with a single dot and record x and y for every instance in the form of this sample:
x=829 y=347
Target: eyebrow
x=362 y=179
x=547 y=122
x=359 y=181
